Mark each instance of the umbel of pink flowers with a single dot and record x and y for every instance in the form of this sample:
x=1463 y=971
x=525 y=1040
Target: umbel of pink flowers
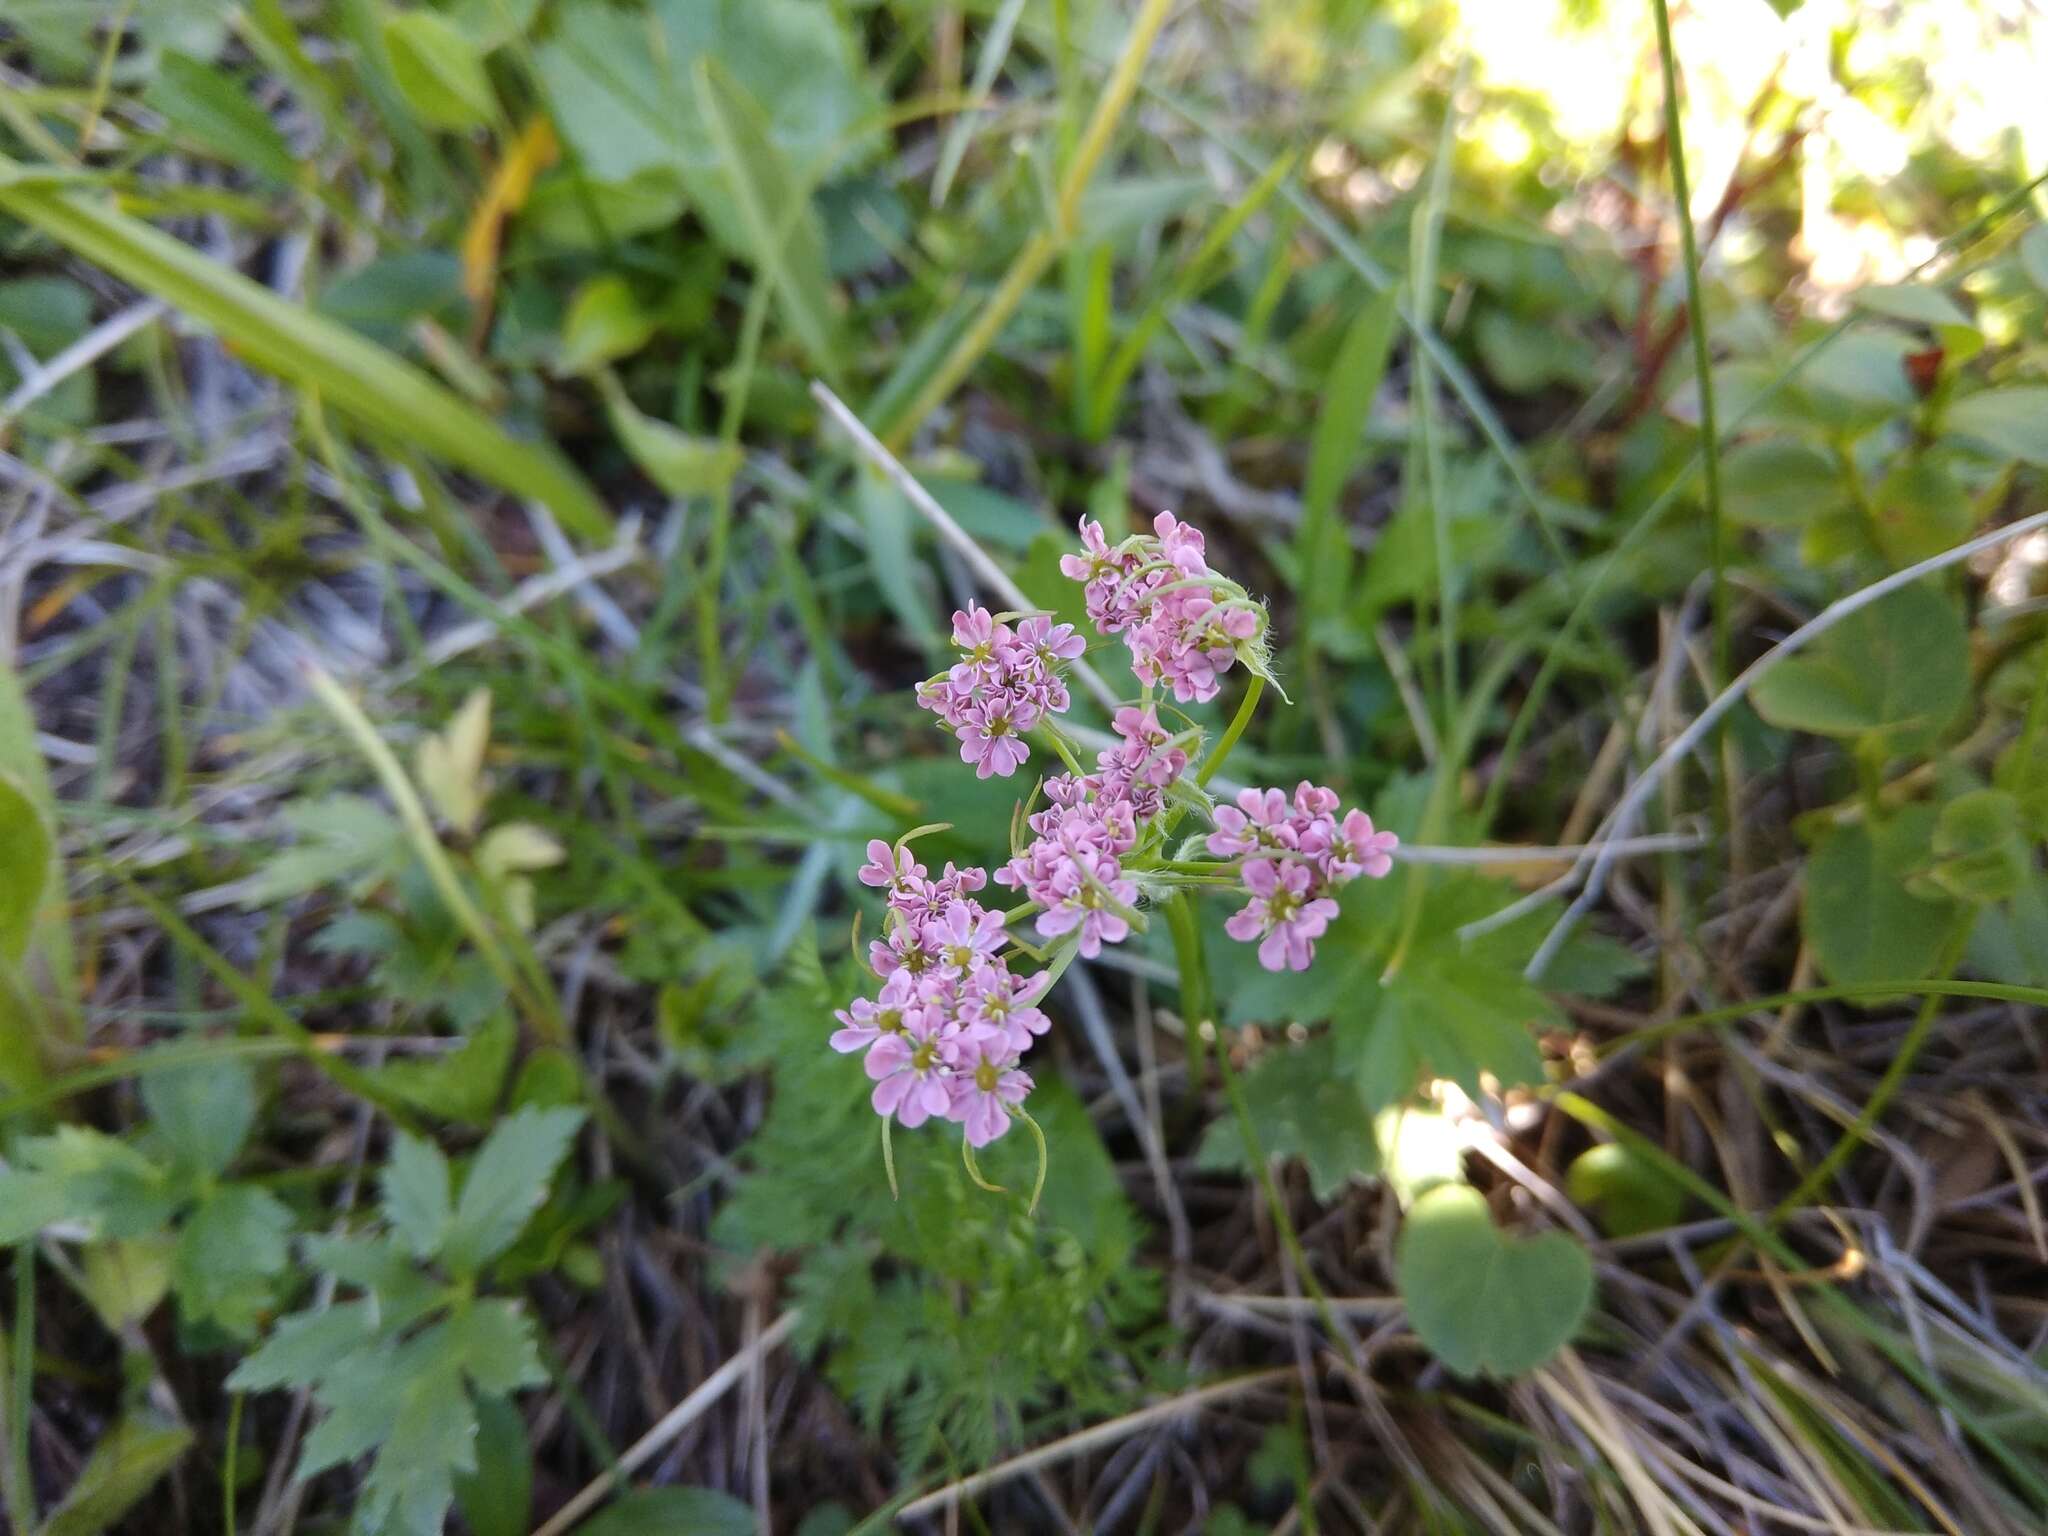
x=946 y=1032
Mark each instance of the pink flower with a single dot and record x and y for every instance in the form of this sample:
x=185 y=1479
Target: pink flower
x=965 y=935
x=986 y=1085
x=903 y=948
x=1284 y=912
x=990 y=739
x=1359 y=850
x=913 y=1080
x=1083 y=905
x=864 y=1022
x=1049 y=644
x=1258 y=821
x=994 y=1000
x=1095 y=560
x=889 y=866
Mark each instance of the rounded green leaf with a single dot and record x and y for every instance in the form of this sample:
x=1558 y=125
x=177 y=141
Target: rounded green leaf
x=1628 y=1194
x=1780 y=482
x=605 y=321
x=1863 y=917
x=439 y=70
x=2012 y=420
x=1899 y=669
x=1482 y=1301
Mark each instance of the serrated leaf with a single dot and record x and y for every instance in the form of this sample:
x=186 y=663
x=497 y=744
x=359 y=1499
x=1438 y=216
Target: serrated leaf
x=230 y=1249
x=127 y=1462
x=1898 y=670
x=1301 y=1106
x=670 y=1511
x=2012 y=419
x=203 y=1111
x=1444 y=1014
x=778 y=229
x=1481 y=1301
x=302 y=1348
x=343 y=839
x=418 y=1201
x=450 y=764
x=90 y=1176
x=439 y=70
x=465 y=1083
x=493 y=1342
x=506 y=1184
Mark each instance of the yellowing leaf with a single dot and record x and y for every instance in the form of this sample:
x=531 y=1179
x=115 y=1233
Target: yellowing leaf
x=515 y=848
x=511 y=184
x=451 y=764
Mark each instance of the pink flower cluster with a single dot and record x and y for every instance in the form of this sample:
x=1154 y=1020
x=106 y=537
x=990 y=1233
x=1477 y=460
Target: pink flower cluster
x=1295 y=853
x=1073 y=867
x=944 y=1035
x=1182 y=623
x=1004 y=683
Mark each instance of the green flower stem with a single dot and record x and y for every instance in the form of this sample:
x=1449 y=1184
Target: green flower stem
x=1235 y=729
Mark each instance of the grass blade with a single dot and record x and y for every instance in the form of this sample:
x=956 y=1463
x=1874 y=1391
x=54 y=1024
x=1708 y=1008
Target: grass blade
x=378 y=389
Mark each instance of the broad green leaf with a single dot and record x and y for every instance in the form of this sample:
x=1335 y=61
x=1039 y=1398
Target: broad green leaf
x=682 y=465
x=1322 y=546
x=605 y=322
x=672 y=1511
x=1481 y=1301
x=1921 y=509
x=1780 y=482
x=1918 y=304
x=124 y=1278
x=230 y=1250
x=439 y=70
x=100 y=1180
x=27 y=852
x=208 y=107
x=382 y=298
x=1981 y=849
x=202 y=1111
x=46 y=314
x=1898 y=670
x=1445 y=1015
x=497 y=1498
x=418 y=1199
x=1863 y=919
x=506 y=1183
x=1629 y=1195
x=382 y=392
x=493 y=23
x=777 y=228
x=1301 y=1106
x=2012 y=419
x=128 y=1461
x=892 y=558
x=302 y=1348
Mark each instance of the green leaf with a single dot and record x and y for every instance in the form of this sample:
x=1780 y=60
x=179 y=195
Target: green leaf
x=129 y=1460
x=1898 y=670
x=302 y=1348
x=1323 y=546
x=207 y=107
x=202 y=1111
x=1921 y=509
x=2034 y=256
x=382 y=392
x=605 y=321
x=341 y=840
x=428 y=1436
x=124 y=1278
x=1981 y=848
x=493 y=1341
x=1445 y=1014
x=418 y=1201
x=497 y=1498
x=465 y=1083
x=2012 y=419
x=438 y=70
x=230 y=1249
x=1780 y=482
x=1863 y=920
x=776 y=226
x=680 y=464
x=92 y=1177
x=671 y=1512
x=1629 y=1195
x=382 y=298
x=26 y=854
x=506 y=1184
x=1481 y=1301
x=1301 y=1106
